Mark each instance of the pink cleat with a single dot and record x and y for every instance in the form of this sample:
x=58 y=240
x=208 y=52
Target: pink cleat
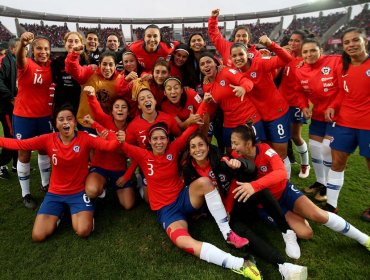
x=236 y=240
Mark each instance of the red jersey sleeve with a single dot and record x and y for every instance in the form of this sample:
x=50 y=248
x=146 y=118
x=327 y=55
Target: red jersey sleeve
x=80 y=73
x=97 y=111
x=274 y=62
x=35 y=143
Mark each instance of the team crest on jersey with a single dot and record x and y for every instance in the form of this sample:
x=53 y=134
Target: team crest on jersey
x=169 y=157
x=18 y=136
x=211 y=174
x=250 y=55
x=263 y=168
x=76 y=149
x=325 y=70
x=191 y=108
x=222 y=83
x=222 y=178
x=96 y=56
x=102 y=96
x=368 y=72
x=253 y=75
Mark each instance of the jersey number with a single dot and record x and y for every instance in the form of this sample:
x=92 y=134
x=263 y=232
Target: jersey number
x=37 y=79
x=150 y=169
x=280 y=129
x=54 y=159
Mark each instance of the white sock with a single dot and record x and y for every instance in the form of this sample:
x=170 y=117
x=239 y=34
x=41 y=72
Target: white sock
x=288 y=167
x=44 y=166
x=303 y=153
x=217 y=209
x=335 y=183
x=212 y=254
x=317 y=161
x=340 y=225
x=326 y=156
x=23 y=171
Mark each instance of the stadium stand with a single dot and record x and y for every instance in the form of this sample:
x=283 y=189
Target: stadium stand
x=53 y=32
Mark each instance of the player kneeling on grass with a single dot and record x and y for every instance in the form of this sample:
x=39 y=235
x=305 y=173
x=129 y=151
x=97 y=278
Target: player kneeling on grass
x=174 y=202
x=69 y=152
x=272 y=175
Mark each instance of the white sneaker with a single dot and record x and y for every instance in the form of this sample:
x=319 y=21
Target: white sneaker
x=291 y=271
x=305 y=171
x=291 y=246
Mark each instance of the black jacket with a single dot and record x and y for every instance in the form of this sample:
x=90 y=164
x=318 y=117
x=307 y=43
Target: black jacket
x=223 y=173
x=8 y=83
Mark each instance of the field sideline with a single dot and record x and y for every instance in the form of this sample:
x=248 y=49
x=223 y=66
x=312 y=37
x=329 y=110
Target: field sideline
x=131 y=245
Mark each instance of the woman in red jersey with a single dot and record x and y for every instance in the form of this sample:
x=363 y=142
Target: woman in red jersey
x=178 y=61
x=317 y=83
x=32 y=108
x=350 y=111
x=69 y=153
x=241 y=34
x=181 y=103
x=151 y=47
x=287 y=88
x=160 y=72
x=174 y=202
x=266 y=98
x=104 y=79
x=296 y=206
x=109 y=167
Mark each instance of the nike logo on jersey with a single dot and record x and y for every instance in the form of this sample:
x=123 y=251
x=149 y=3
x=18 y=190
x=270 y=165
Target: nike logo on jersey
x=141 y=131
x=344 y=75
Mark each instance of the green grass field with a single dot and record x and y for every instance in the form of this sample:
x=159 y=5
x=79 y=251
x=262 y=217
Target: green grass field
x=131 y=245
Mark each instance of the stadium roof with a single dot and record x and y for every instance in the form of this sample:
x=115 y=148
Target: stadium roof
x=298 y=9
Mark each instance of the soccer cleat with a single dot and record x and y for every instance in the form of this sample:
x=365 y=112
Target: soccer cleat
x=4 y=174
x=321 y=195
x=236 y=240
x=305 y=171
x=330 y=208
x=44 y=188
x=249 y=270
x=367 y=244
x=292 y=248
x=313 y=188
x=29 y=202
x=366 y=215
x=291 y=271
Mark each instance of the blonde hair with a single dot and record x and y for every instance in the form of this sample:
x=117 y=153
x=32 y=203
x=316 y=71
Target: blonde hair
x=65 y=38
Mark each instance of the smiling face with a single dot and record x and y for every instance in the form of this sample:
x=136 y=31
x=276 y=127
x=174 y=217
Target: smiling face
x=73 y=40
x=66 y=124
x=158 y=141
x=107 y=66
x=197 y=43
x=173 y=91
x=112 y=43
x=241 y=36
x=239 y=57
x=180 y=57
x=120 y=110
x=41 y=51
x=198 y=149
x=152 y=37
x=240 y=146
x=129 y=62
x=160 y=74
x=208 y=67
x=146 y=101
x=310 y=53
x=92 y=42
x=354 y=44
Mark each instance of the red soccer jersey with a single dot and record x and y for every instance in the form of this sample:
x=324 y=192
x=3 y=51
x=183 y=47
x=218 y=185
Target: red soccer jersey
x=100 y=116
x=288 y=82
x=271 y=172
x=236 y=112
x=318 y=83
x=124 y=90
x=69 y=162
x=161 y=172
x=192 y=104
x=265 y=96
x=146 y=59
x=33 y=98
x=137 y=130
x=223 y=46
x=79 y=73
x=175 y=71
x=353 y=100
x=158 y=93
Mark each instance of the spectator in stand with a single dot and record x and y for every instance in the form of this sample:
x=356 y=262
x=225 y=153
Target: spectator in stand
x=241 y=34
x=350 y=111
x=67 y=90
x=8 y=92
x=32 y=112
x=91 y=54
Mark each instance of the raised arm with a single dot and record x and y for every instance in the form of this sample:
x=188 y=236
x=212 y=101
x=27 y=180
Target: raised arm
x=20 y=54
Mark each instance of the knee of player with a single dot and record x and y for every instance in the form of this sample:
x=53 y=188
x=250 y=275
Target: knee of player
x=91 y=191
x=84 y=231
x=38 y=236
x=305 y=233
x=206 y=184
